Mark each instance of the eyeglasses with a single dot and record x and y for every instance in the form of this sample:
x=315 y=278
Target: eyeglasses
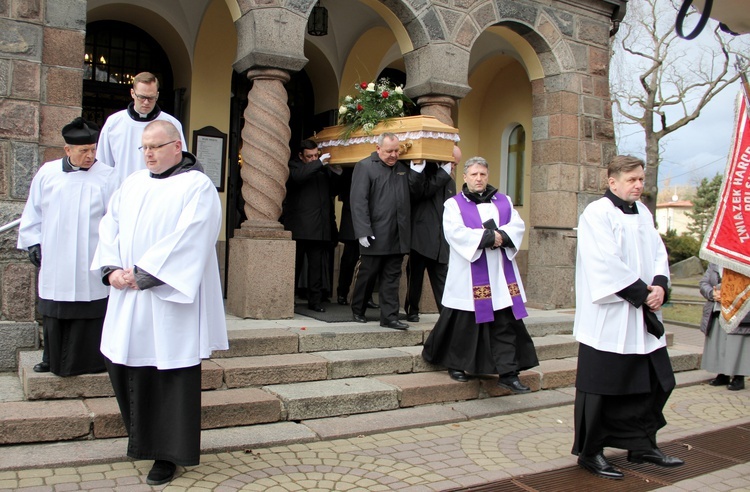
x=146 y=98
x=146 y=148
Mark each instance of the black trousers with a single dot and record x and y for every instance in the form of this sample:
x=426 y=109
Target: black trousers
x=348 y=262
x=387 y=269
x=438 y=272
x=315 y=252
x=72 y=346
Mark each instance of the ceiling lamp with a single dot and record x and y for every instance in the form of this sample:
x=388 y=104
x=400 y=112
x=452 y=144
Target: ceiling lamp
x=317 y=24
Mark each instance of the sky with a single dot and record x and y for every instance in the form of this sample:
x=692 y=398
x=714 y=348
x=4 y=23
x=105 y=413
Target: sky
x=699 y=149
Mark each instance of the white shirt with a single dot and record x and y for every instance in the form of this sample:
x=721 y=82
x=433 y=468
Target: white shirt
x=120 y=138
x=614 y=251
x=167 y=227
x=62 y=214
x=464 y=241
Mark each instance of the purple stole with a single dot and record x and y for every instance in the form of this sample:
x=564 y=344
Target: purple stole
x=480 y=275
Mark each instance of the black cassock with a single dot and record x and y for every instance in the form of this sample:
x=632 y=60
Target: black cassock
x=161 y=410
x=622 y=406
x=72 y=335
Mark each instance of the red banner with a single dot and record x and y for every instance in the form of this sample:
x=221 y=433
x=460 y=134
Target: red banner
x=727 y=242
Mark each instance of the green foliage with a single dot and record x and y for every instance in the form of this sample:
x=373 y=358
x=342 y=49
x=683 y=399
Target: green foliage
x=680 y=247
x=373 y=103
x=704 y=205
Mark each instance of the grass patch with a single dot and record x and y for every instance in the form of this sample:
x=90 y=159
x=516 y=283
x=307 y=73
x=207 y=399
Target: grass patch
x=685 y=313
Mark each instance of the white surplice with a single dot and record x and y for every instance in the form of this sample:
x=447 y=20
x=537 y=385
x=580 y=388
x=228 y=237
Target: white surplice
x=614 y=251
x=464 y=243
x=167 y=227
x=62 y=214
x=120 y=138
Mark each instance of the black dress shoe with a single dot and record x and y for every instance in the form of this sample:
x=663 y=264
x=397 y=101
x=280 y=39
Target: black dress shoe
x=737 y=383
x=359 y=318
x=458 y=375
x=514 y=385
x=655 y=457
x=371 y=304
x=599 y=466
x=317 y=308
x=342 y=300
x=395 y=324
x=42 y=367
x=412 y=318
x=719 y=380
x=161 y=473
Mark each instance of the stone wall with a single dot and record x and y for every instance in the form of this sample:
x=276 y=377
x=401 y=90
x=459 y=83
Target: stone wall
x=41 y=53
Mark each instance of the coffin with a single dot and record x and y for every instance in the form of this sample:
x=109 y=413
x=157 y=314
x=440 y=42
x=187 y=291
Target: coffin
x=422 y=137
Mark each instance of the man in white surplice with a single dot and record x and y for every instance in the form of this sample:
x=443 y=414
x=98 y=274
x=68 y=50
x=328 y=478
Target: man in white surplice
x=60 y=229
x=157 y=251
x=624 y=376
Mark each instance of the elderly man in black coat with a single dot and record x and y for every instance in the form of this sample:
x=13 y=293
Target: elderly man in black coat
x=429 y=249
x=308 y=213
x=381 y=213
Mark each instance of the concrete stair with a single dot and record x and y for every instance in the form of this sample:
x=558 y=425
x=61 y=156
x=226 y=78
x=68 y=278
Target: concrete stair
x=295 y=374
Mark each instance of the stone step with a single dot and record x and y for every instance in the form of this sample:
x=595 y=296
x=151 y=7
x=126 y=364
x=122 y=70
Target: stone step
x=265 y=370
x=98 y=418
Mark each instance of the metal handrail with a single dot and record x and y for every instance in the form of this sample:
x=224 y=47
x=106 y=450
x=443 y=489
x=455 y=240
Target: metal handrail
x=10 y=225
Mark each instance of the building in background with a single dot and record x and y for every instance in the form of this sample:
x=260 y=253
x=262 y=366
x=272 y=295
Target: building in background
x=524 y=81
x=671 y=215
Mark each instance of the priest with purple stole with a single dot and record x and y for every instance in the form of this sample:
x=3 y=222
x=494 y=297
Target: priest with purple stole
x=480 y=329
x=60 y=229
x=158 y=253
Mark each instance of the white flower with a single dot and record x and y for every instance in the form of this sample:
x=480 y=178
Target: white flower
x=342 y=109
x=400 y=103
x=399 y=90
x=371 y=87
x=368 y=127
x=348 y=99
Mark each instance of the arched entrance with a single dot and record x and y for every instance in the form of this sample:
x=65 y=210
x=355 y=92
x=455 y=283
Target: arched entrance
x=115 y=52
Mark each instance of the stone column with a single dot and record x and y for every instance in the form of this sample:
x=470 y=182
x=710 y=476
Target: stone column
x=261 y=278
x=441 y=107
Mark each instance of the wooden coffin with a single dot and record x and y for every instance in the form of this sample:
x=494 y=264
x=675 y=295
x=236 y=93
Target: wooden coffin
x=422 y=137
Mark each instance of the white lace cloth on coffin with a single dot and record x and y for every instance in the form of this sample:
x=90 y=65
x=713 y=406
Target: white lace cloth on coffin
x=403 y=137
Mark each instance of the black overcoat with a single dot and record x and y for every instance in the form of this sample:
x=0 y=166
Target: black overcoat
x=308 y=208
x=381 y=204
x=427 y=236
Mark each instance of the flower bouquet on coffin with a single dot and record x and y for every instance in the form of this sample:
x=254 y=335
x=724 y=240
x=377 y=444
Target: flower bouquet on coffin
x=381 y=107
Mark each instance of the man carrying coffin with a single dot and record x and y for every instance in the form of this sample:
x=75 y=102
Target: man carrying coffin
x=157 y=251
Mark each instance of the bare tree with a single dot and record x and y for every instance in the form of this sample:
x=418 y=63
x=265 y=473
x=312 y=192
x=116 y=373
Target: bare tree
x=661 y=82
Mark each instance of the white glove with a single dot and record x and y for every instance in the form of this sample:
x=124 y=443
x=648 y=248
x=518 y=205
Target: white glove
x=324 y=158
x=446 y=166
x=364 y=242
x=417 y=166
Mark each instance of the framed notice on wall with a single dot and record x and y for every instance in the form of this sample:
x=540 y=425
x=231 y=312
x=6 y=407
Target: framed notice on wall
x=210 y=147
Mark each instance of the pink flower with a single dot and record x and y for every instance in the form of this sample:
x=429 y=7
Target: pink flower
x=363 y=85
x=385 y=94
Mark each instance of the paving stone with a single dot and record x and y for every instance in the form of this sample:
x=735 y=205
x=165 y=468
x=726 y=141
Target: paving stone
x=212 y=375
x=557 y=373
x=418 y=363
x=365 y=362
x=685 y=357
x=107 y=419
x=430 y=387
x=555 y=347
x=335 y=397
x=241 y=372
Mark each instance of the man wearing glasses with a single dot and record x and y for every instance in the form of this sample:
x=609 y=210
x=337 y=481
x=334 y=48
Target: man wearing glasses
x=121 y=135
x=166 y=312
